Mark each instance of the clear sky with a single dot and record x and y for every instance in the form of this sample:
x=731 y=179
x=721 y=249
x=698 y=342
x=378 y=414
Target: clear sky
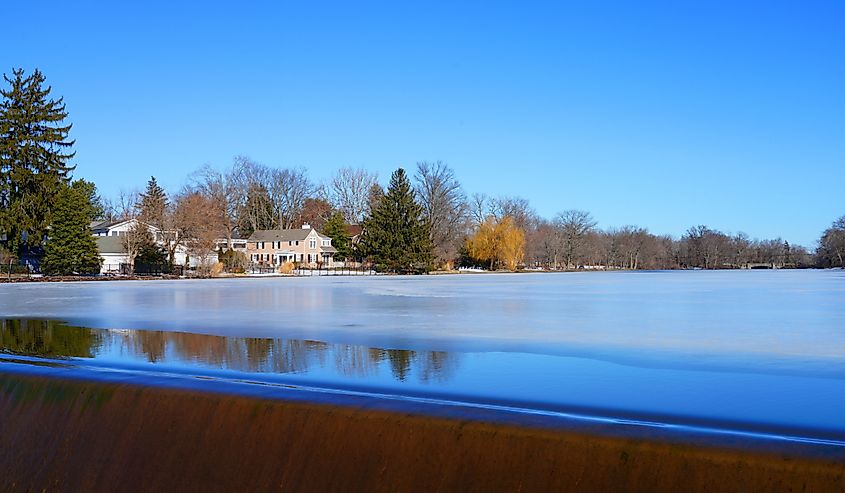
x=659 y=114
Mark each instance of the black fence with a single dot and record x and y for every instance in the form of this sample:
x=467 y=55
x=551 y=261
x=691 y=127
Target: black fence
x=152 y=269
x=335 y=271
x=305 y=271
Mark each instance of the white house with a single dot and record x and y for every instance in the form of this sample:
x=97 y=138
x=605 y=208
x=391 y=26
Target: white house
x=113 y=254
x=109 y=236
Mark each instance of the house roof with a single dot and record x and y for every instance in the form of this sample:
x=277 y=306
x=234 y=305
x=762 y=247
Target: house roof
x=328 y=249
x=95 y=225
x=110 y=244
x=353 y=229
x=107 y=225
x=280 y=234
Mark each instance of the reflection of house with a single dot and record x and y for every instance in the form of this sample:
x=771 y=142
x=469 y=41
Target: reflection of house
x=110 y=237
x=273 y=247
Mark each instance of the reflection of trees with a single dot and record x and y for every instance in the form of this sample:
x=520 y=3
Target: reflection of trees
x=50 y=338
x=258 y=352
x=428 y=365
x=151 y=343
x=47 y=338
x=437 y=366
x=355 y=360
x=400 y=362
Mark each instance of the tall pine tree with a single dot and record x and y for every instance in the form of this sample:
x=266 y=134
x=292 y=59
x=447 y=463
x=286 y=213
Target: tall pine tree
x=396 y=237
x=153 y=204
x=96 y=209
x=71 y=248
x=34 y=158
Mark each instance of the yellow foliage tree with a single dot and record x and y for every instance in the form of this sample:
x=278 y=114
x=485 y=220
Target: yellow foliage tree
x=511 y=244
x=498 y=242
x=482 y=245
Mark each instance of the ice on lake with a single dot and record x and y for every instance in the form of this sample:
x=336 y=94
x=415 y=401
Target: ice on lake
x=778 y=313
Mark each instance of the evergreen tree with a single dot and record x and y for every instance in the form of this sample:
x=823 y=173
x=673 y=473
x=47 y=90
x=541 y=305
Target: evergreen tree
x=396 y=237
x=71 y=248
x=140 y=245
x=335 y=229
x=96 y=210
x=34 y=158
x=153 y=204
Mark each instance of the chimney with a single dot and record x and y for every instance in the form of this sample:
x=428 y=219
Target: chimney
x=306 y=226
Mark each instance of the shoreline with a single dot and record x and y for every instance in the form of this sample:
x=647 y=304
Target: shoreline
x=85 y=434
x=57 y=279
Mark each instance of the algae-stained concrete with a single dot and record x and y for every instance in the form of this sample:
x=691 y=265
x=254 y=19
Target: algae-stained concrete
x=72 y=435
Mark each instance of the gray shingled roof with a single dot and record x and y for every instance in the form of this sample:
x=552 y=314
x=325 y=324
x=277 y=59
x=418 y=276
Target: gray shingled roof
x=280 y=235
x=110 y=244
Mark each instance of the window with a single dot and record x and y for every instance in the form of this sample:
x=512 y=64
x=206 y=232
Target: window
x=327 y=243
x=290 y=243
x=312 y=244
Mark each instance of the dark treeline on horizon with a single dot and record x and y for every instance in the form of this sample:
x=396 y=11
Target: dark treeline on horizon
x=425 y=211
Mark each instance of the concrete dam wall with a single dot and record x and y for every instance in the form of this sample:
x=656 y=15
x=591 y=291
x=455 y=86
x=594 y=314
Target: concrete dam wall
x=76 y=435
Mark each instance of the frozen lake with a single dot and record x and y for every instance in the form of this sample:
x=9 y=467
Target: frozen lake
x=750 y=350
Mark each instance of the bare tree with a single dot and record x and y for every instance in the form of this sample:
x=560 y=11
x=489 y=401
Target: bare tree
x=831 y=249
x=316 y=212
x=200 y=222
x=250 y=198
x=517 y=208
x=136 y=239
x=632 y=243
x=349 y=192
x=223 y=192
x=573 y=227
x=479 y=208
x=288 y=190
x=444 y=207
x=126 y=206
x=257 y=211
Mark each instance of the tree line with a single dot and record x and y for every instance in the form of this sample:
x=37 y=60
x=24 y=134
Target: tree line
x=423 y=220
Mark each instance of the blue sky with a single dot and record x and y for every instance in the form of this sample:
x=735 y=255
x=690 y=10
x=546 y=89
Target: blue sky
x=659 y=114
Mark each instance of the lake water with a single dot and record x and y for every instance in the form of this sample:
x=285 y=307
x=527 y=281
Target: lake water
x=753 y=351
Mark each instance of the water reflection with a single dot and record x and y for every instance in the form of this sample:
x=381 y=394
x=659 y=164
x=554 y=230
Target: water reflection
x=47 y=338
x=55 y=339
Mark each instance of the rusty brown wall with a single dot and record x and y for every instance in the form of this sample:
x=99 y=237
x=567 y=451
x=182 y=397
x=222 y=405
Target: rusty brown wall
x=66 y=435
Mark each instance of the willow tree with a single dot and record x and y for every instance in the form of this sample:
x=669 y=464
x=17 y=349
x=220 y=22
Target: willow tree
x=34 y=157
x=498 y=242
